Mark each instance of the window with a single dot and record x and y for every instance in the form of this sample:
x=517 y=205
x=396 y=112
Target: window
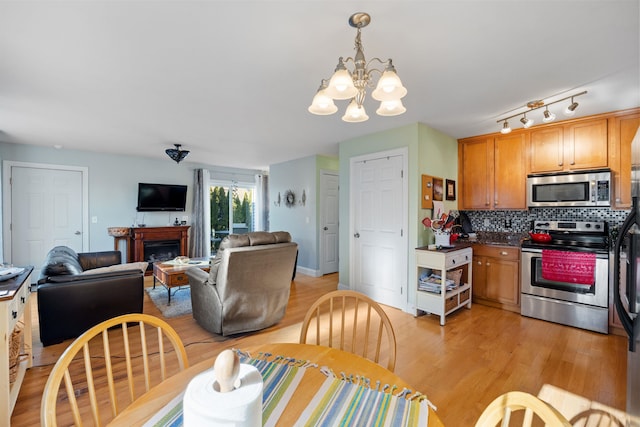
x=235 y=201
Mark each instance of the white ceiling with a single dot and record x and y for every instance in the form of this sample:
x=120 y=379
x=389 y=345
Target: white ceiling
x=232 y=80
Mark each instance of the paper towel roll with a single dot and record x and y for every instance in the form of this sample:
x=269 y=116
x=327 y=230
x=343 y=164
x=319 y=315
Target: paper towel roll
x=203 y=404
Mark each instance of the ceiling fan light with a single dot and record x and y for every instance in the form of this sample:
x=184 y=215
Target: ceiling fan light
x=355 y=113
x=391 y=108
x=571 y=109
x=505 y=128
x=322 y=104
x=548 y=116
x=389 y=87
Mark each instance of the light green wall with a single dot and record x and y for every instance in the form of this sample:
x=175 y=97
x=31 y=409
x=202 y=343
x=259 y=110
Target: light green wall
x=429 y=152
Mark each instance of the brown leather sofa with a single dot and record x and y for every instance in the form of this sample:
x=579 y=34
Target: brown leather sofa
x=79 y=290
x=247 y=287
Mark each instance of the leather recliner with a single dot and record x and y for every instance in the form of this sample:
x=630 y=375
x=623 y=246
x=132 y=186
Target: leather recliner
x=72 y=298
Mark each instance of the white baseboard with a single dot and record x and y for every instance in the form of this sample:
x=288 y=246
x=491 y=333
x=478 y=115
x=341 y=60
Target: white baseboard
x=308 y=271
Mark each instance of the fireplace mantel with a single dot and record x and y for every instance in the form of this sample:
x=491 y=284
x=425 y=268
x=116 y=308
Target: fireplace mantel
x=138 y=235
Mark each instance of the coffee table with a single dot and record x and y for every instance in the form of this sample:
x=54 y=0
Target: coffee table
x=172 y=275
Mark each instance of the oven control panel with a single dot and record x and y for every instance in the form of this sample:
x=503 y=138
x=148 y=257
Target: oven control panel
x=571 y=226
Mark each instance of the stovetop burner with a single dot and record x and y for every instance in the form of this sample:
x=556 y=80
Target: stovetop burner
x=583 y=236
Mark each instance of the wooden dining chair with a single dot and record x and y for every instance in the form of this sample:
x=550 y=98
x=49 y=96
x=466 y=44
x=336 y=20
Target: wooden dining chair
x=108 y=367
x=501 y=409
x=353 y=322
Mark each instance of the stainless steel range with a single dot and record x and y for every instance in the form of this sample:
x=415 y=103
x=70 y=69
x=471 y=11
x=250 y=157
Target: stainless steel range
x=567 y=279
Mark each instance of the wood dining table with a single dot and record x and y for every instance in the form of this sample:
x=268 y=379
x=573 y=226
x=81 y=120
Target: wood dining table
x=152 y=402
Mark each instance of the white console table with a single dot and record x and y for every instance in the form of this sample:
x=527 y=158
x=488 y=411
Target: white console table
x=442 y=261
x=14 y=306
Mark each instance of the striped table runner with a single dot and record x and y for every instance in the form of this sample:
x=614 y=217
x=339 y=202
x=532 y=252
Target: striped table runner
x=340 y=401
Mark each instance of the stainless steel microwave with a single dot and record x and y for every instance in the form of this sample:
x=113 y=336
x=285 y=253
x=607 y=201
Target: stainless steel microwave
x=570 y=189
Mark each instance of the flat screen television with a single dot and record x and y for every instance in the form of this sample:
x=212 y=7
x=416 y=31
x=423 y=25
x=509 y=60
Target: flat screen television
x=161 y=197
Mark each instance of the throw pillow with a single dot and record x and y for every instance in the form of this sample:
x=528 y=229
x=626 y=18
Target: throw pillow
x=455 y=275
x=117 y=267
x=61 y=260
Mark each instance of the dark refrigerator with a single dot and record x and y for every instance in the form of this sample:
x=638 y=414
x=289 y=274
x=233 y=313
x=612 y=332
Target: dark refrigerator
x=627 y=288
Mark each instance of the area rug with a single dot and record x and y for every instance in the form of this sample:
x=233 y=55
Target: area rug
x=180 y=300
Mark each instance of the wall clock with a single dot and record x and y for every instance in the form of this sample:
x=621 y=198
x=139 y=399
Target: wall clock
x=289 y=198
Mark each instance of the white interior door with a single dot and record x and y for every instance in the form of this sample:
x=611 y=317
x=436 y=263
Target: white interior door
x=379 y=242
x=329 y=221
x=47 y=210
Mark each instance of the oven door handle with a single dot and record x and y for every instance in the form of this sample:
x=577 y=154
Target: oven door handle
x=624 y=317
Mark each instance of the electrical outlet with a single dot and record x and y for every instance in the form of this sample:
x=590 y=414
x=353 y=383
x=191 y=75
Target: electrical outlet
x=487 y=222
x=507 y=223
x=94 y=219
x=185 y=218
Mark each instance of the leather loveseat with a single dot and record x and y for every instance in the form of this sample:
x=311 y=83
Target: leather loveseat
x=79 y=290
x=247 y=287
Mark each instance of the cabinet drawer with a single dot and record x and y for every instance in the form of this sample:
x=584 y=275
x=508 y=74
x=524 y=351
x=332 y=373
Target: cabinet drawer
x=17 y=305
x=504 y=252
x=458 y=259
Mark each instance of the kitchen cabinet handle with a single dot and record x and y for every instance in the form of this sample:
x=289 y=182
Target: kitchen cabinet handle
x=479 y=262
x=22 y=300
x=504 y=253
x=14 y=314
x=488 y=264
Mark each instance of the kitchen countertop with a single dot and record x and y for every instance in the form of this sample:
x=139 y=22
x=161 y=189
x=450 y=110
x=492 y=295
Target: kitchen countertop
x=495 y=238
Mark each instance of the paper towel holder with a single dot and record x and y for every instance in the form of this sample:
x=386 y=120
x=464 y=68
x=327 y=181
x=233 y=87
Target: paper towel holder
x=227 y=368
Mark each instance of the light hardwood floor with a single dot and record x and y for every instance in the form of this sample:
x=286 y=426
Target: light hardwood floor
x=461 y=367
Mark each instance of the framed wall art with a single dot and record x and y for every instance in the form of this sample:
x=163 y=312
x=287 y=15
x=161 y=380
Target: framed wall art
x=437 y=189
x=450 y=189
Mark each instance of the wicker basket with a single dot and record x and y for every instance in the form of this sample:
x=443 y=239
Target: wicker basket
x=118 y=231
x=14 y=352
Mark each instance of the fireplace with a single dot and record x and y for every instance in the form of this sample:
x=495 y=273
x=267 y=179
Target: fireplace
x=154 y=244
x=161 y=250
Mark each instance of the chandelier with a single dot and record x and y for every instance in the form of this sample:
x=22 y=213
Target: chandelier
x=352 y=84
x=176 y=154
x=547 y=116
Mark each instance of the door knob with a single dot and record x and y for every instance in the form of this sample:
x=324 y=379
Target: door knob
x=77 y=233
x=357 y=235
x=326 y=228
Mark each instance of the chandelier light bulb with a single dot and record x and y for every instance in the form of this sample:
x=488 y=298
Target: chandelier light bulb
x=391 y=108
x=322 y=103
x=341 y=83
x=355 y=113
x=389 y=87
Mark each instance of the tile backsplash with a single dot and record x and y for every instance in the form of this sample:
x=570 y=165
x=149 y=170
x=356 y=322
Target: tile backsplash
x=520 y=221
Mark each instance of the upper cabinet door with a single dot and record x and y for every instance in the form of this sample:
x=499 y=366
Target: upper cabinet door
x=586 y=145
x=475 y=171
x=509 y=190
x=622 y=130
x=547 y=152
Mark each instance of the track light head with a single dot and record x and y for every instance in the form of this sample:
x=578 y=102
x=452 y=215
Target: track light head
x=505 y=128
x=571 y=109
x=548 y=116
x=527 y=123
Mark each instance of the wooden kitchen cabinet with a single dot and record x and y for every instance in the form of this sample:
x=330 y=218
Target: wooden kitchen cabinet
x=496 y=276
x=578 y=145
x=492 y=172
x=622 y=129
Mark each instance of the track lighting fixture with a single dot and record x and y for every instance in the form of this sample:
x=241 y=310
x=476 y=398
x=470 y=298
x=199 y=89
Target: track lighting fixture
x=346 y=84
x=548 y=116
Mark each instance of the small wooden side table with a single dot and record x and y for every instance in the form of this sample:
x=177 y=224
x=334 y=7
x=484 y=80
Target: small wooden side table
x=172 y=275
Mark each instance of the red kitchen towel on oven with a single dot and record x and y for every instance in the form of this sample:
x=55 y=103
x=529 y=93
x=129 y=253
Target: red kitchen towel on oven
x=569 y=267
